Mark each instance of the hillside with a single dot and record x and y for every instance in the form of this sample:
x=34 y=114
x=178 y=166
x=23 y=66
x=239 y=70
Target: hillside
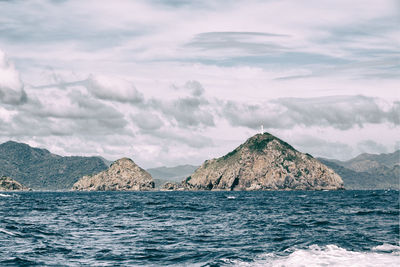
x=123 y=175
x=263 y=162
x=162 y=175
x=368 y=171
x=41 y=170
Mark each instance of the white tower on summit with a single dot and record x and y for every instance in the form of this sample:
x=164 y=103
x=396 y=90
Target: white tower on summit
x=262 y=129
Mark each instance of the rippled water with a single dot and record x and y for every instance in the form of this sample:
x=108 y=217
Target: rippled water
x=335 y=228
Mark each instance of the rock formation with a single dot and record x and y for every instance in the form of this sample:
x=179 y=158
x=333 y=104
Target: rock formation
x=8 y=184
x=263 y=162
x=123 y=175
x=170 y=186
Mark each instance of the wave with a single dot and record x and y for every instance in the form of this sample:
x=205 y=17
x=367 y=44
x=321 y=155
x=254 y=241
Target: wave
x=5 y=195
x=331 y=255
x=6 y=232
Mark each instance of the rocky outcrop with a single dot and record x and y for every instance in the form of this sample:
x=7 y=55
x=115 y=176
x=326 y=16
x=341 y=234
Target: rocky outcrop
x=263 y=162
x=123 y=175
x=170 y=186
x=9 y=184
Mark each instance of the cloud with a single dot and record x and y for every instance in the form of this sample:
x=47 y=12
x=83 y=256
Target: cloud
x=108 y=88
x=11 y=87
x=370 y=146
x=190 y=139
x=195 y=87
x=242 y=43
x=186 y=111
x=340 y=112
x=319 y=147
x=147 y=121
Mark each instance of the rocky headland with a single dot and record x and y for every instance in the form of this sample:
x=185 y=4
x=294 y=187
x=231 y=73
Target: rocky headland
x=123 y=175
x=263 y=162
x=9 y=184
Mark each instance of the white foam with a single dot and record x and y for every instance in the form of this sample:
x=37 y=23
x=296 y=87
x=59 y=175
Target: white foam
x=388 y=248
x=6 y=232
x=4 y=195
x=330 y=255
x=230 y=197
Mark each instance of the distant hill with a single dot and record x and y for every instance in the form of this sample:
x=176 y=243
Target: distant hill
x=41 y=170
x=161 y=175
x=368 y=171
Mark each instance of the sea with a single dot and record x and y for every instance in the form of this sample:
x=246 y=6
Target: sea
x=270 y=228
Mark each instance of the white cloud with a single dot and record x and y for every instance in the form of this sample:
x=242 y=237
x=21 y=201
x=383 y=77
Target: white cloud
x=11 y=86
x=109 y=88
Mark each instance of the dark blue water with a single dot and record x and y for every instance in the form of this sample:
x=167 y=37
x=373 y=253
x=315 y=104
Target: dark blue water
x=342 y=228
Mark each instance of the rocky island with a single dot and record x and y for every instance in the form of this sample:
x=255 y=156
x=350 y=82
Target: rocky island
x=9 y=184
x=263 y=162
x=123 y=175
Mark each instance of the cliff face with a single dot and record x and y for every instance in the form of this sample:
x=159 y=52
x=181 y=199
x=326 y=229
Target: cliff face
x=123 y=175
x=263 y=162
x=8 y=184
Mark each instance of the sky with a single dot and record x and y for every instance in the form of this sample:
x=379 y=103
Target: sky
x=178 y=82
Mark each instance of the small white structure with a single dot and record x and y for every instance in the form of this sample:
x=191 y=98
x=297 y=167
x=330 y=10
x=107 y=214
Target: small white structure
x=262 y=129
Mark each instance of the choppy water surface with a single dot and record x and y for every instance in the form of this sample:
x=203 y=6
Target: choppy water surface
x=343 y=228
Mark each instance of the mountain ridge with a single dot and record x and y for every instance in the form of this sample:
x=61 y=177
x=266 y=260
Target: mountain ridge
x=39 y=169
x=369 y=171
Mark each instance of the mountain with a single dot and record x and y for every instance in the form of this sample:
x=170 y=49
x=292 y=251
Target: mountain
x=163 y=175
x=263 y=162
x=368 y=171
x=123 y=175
x=8 y=184
x=41 y=170
x=367 y=162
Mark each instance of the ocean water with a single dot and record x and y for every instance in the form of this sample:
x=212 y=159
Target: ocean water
x=324 y=228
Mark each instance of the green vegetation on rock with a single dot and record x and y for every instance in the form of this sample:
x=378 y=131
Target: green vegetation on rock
x=41 y=170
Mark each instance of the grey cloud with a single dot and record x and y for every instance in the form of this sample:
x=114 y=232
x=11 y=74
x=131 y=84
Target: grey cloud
x=257 y=49
x=147 y=121
x=187 y=112
x=86 y=116
x=11 y=86
x=190 y=139
x=341 y=112
x=322 y=148
x=370 y=146
x=195 y=87
x=12 y=96
x=101 y=88
x=239 y=41
x=21 y=21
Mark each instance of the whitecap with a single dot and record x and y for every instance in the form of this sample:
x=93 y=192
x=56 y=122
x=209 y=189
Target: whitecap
x=231 y=197
x=387 y=248
x=4 y=195
x=6 y=232
x=330 y=255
